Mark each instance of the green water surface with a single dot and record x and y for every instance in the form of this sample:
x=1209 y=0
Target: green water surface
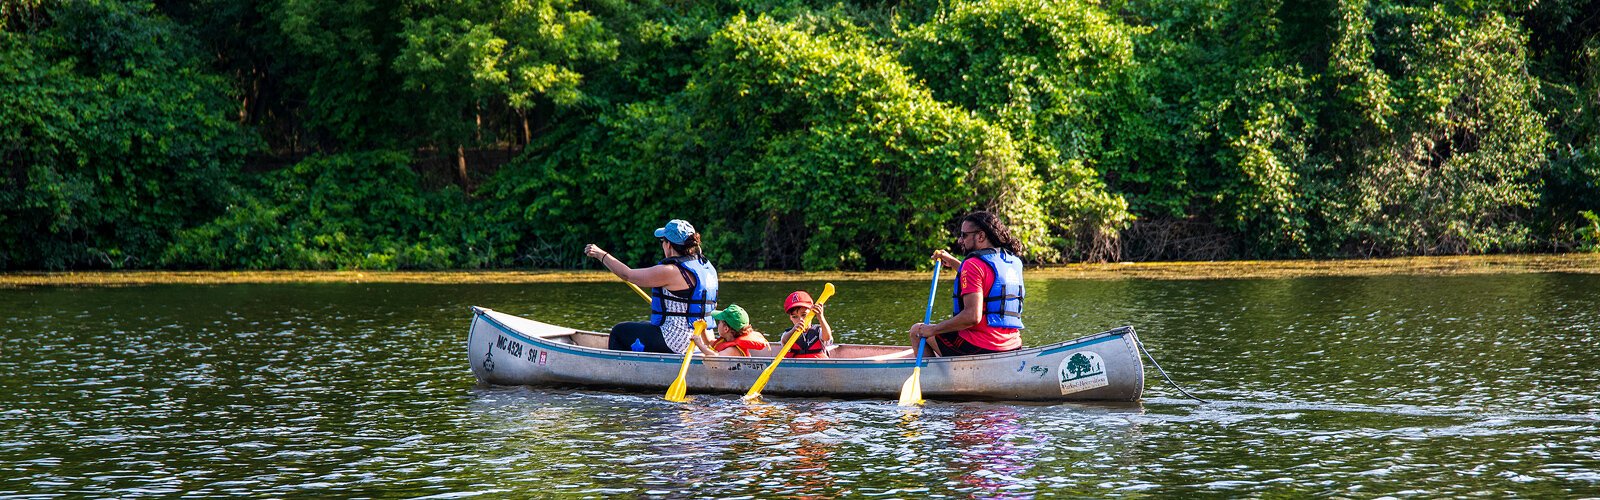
x=1345 y=387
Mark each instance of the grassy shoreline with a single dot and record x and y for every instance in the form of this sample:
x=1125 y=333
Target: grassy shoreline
x=1419 y=266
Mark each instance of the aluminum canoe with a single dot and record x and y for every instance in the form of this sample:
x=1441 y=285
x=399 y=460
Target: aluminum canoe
x=504 y=349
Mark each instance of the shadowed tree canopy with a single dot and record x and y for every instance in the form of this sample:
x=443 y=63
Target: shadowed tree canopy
x=439 y=134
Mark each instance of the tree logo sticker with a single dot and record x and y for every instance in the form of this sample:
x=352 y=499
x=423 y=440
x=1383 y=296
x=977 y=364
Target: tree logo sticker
x=1081 y=371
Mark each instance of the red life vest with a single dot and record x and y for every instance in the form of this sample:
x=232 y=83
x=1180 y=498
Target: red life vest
x=810 y=341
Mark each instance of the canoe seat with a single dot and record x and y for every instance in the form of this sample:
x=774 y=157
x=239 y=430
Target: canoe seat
x=862 y=351
x=900 y=354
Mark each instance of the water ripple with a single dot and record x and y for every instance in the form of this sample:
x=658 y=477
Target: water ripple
x=1367 y=387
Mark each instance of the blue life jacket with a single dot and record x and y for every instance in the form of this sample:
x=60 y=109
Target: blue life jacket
x=701 y=300
x=1002 y=303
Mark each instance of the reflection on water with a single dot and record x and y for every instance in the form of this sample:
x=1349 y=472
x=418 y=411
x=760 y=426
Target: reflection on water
x=1364 y=387
x=719 y=446
x=995 y=451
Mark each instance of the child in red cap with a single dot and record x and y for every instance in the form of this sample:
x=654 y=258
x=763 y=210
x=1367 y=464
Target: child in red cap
x=814 y=342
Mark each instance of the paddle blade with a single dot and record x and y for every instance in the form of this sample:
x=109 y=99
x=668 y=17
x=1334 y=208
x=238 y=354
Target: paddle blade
x=752 y=396
x=679 y=390
x=911 y=390
x=678 y=393
x=827 y=291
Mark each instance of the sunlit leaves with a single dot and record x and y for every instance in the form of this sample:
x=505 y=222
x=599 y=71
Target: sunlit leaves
x=1058 y=76
x=1458 y=172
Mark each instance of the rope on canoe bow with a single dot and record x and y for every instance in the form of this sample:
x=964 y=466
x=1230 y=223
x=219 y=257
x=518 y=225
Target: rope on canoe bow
x=1164 y=372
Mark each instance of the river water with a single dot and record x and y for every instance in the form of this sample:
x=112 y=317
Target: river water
x=1348 y=387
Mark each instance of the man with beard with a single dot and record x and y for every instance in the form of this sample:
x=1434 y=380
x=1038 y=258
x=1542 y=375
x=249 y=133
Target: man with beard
x=987 y=313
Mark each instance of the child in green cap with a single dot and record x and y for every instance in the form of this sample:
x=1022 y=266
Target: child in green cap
x=735 y=336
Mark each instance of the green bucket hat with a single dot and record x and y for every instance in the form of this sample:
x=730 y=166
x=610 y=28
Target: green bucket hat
x=734 y=316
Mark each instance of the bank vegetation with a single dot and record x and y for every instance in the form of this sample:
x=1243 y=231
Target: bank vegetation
x=815 y=135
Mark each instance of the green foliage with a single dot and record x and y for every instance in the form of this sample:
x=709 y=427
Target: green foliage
x=1457 y=169
x=1568 y=56
x=334 y=57
x=21 y=15
x=794 y=133
x=1589 y=235
x=1060 y=79
x=788 y=149
x=111 y=139
x=355 y=211
x=1405 y=130
x=1241 y=113
x=459 y=58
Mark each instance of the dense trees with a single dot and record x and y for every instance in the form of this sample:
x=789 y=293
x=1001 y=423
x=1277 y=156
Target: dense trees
x=113 y=135
x=797 y=134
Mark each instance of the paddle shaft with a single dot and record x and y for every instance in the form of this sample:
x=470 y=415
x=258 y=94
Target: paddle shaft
x=636 y=289
x=927 y=316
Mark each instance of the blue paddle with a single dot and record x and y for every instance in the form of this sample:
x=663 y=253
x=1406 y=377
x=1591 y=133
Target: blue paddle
x=911 y=391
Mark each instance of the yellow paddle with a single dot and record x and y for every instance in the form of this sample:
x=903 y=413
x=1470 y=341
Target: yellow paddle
x=636 y=289
x=911 y=391
x=755 y=390
x=678 y=391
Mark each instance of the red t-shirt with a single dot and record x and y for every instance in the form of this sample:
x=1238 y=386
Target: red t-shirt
x=752 y=341
x=976 y=278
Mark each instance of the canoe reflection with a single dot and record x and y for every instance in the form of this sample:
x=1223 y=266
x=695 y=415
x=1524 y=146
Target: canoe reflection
x=811 y=474
x=996 y=450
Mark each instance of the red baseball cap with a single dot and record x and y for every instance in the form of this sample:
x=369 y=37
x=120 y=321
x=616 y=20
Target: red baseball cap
x=797 y=299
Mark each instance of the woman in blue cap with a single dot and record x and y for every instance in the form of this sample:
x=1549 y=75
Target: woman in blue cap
x=683 y=288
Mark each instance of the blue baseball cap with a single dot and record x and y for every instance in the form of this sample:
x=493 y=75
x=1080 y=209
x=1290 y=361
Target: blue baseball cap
x=676 y=231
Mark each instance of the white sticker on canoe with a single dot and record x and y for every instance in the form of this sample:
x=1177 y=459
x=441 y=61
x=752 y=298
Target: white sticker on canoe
x=1081 y=371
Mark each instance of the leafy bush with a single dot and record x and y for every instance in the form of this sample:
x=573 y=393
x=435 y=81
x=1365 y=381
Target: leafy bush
x=111 y=139
x=1457 y=170
x=353 y=211
x=1227 y=174
x=1060 y=78
x=1589 y=236
x=789 y=149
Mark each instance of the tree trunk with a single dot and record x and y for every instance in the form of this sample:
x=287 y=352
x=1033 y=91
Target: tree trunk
x=527 y=135
x=461 y=167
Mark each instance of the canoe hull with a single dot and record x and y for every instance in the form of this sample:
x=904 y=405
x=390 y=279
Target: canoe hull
x=510 y=350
